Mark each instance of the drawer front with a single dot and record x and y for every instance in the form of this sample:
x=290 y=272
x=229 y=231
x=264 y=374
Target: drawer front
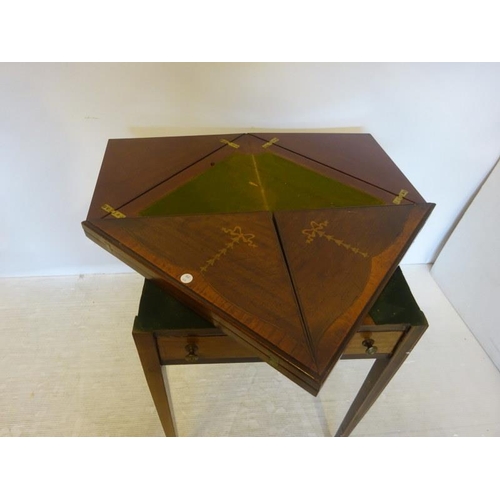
x=198 y=348
x=184 y=347
x=371 y=343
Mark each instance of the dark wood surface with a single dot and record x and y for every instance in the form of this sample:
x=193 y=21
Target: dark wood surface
x=238 y=272
x=339 y=260
x=131 y=167
x=142 y=200
x=241 y=273
x=266 y=351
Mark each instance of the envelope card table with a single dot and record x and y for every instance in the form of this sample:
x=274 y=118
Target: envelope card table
x=282 y=243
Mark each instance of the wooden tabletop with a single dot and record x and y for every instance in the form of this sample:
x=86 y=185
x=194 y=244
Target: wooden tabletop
x=283 y=241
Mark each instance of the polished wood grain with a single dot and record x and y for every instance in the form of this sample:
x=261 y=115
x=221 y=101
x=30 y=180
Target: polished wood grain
x=296 y=304
x=339 y=261
x=282 y=362
x=239 y=273
x=356 y=155
x=136 y=204
x=131 y=167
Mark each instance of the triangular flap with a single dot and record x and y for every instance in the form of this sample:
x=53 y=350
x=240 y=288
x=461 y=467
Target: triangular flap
x=133 y=166
x=339 y=260
x=259 y=182
x=357 y=155
x=230 y=264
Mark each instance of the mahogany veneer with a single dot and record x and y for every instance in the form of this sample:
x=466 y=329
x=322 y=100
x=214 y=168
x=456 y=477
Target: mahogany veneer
x=283 y=242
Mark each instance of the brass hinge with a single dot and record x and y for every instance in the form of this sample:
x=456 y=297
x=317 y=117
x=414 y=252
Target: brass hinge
x=112 y=211
x=399 y=197
x=274 y=140
x=232 y=144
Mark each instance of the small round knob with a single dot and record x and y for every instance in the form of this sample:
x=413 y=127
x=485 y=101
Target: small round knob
x=370 y=348
x=191 y=355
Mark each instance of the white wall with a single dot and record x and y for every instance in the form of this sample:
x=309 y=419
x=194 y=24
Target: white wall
x=468 y=268
x=440 y=123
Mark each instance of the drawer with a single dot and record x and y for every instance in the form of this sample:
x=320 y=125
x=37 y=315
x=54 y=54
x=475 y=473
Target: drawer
x=213 y=346
x=382 y=342
x=177 y=348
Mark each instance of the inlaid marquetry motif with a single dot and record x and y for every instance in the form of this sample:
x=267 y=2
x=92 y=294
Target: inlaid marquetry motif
x=113 y=212
x=228 y=143
x=317 y=229
x=237 y=236
x=400 y=197
x=274 y=140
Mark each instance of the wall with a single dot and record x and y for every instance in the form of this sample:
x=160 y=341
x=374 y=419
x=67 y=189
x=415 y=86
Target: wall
x=440 y=123
x=468 y=268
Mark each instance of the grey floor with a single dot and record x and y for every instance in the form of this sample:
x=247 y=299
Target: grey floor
x=68 y=367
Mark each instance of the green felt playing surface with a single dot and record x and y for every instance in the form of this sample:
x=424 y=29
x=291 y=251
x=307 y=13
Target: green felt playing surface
x=263 y=182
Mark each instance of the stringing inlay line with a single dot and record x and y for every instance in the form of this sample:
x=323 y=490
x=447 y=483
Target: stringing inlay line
x=259 y=181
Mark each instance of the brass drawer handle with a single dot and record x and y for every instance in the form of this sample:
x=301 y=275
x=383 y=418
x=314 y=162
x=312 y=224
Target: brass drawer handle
x=370 y=348
x=191 y=355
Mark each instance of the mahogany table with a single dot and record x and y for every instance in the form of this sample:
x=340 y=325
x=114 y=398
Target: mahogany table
x=168 y=333
x=280 y=246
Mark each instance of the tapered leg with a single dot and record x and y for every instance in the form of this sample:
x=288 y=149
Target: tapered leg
x=150 y=360
x=377 y=379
